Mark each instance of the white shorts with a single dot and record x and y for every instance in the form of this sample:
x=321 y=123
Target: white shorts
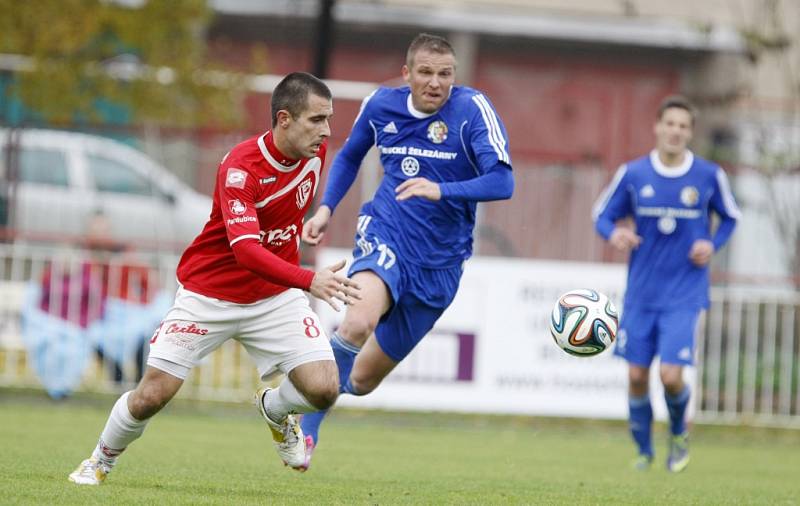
x=279 y=333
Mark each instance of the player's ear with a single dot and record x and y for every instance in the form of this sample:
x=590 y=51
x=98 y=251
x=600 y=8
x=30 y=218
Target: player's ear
x=284 y=118
x=406 y=72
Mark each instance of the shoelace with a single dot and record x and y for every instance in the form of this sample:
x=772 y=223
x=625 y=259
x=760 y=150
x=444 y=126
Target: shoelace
x=289 y=434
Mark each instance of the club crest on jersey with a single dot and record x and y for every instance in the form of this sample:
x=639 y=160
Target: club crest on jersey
x=235 y=178
x=437 y=132
x=410 y=166
x=689 y=196
x=303 y=192
x=237 y=207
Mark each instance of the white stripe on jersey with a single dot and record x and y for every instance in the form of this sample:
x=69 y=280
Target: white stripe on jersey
x=363 y=105
x=312 y=165
x=363 y=223
x=727 y=196
x=602 y=200
x=495 y=135
x=246 y=236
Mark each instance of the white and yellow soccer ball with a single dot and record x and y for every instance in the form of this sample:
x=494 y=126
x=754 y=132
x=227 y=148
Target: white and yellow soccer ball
x=584 y=322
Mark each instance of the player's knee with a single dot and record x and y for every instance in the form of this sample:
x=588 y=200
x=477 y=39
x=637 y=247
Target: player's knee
x=673 y=383
x=357 y=330
x=323 y=394
x=362 y=386
x=638 y=383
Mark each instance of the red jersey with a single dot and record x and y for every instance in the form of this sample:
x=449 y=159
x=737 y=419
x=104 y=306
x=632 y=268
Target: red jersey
x=262 y=196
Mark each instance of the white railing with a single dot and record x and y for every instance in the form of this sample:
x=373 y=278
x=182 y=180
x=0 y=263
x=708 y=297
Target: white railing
x=748 y=345
x=749 y=359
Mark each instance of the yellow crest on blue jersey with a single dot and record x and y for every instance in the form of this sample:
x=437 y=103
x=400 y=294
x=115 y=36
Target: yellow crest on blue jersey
x=690 y=196
x=437 y=132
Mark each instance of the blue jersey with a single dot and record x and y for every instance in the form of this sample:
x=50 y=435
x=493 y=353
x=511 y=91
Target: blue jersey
x=461 y=141
x=671 y=208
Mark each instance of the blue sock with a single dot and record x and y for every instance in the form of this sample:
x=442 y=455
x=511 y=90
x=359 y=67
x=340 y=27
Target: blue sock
x=641 y=421
x=345 y=354
x=676 y=405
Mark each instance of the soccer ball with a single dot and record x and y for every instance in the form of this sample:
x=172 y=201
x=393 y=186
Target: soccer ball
x=584 y=322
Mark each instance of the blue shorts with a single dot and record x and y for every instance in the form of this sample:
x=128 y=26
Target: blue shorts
x=419 y=295
x=645 y=333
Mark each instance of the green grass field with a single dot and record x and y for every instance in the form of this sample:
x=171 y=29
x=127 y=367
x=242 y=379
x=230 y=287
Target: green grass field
x=212 y=454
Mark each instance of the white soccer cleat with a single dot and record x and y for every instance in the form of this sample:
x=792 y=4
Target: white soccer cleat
x=90 y=472
x=287 y=436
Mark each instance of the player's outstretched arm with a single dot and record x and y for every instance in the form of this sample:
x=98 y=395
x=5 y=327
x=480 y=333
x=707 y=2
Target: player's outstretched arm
x=314 y=227
x=327 y=285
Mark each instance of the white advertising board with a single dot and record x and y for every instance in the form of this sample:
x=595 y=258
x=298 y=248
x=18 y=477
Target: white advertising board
x=491 y=351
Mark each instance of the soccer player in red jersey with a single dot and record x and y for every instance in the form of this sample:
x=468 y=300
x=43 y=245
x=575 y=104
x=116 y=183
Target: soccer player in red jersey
x=240 y=279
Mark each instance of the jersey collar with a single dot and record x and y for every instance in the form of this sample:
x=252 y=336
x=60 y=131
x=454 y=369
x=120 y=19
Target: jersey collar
x=665 y=171
x=273 y=156
x=419 y=114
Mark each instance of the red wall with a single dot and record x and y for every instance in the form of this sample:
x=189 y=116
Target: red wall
x=560 y=107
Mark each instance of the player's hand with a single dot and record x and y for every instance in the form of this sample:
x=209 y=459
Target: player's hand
x=329 y=286
x=624 y=239
x=418 y=187
x=314 y=228
x=701 y=252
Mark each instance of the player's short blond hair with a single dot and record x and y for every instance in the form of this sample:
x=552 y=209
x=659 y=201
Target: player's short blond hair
x=430 y=43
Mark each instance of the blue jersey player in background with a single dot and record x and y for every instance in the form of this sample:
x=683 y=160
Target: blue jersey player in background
x=443 y=149
x=670 y=194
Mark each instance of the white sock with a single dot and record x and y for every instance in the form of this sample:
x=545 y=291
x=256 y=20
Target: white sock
x=285 y=399
x=121 y=430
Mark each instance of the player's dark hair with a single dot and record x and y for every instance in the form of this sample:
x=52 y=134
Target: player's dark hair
x=676 y=102
x=291 y=94
x=430 y=43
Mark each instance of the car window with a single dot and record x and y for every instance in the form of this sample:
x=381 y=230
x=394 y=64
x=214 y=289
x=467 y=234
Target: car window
x=43 y=166
x=112 y=176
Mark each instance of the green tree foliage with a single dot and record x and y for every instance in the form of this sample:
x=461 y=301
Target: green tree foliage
x=148 y=57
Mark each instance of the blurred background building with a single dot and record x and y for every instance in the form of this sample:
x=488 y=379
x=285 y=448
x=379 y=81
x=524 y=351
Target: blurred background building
x=577 y=83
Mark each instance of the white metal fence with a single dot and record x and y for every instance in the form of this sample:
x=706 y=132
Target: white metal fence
x=748 y=346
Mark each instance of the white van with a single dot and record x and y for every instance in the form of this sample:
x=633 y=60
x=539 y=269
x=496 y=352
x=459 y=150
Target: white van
x=63 y=179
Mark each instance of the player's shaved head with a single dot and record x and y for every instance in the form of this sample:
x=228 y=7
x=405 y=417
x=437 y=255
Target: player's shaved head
x=429 y=43
x=291 y=94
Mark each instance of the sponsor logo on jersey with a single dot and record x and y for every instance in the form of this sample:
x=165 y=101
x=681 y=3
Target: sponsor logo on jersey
x=437 y=132
x=185 y=328
x=237 y=207
x=278 y=236
x=647 y=191
x=390 y=128
x=424 y=153
x=241 y=219
x=268 y=180
x=689 y=196
x=235 y=178
x=667 y=224
x=303 y=192
x=410 y=166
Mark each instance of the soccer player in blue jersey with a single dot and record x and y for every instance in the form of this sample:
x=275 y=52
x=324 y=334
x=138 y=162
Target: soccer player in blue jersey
x=443 y=149
x=670 y=194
